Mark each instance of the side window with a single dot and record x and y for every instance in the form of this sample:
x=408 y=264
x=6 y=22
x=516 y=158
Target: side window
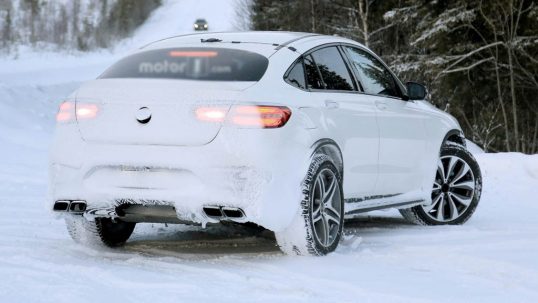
x=313 y=78
x=375 y=78
x=296 y=75
x=333 y=69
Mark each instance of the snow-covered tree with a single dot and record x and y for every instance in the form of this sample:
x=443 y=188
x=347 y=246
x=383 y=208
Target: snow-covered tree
x=69 y=24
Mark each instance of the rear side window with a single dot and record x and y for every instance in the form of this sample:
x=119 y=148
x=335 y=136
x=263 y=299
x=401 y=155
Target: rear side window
x=375 y=77
x=313 y=78
x=208 y=64
x=296 y=75
x=333 y=69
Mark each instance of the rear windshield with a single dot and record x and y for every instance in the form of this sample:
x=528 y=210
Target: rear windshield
x=208 y=64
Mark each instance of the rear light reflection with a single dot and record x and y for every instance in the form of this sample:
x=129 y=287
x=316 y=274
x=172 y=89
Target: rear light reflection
x=250 y=116
x=66 y=112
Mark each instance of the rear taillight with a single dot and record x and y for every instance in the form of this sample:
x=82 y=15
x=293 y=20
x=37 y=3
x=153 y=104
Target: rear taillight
x=260 y=116
x=69 y=111
x=250 y=116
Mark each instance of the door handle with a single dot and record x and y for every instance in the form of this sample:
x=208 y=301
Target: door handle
x=381 y=105
x=331 y=104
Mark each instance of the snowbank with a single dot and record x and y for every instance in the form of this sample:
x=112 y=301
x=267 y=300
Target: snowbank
x=473 y=148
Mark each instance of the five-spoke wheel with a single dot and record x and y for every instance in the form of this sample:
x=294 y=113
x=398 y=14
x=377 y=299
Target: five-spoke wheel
x=326 y=207
x=318 y=226
x=455 y=193
x=453 y=189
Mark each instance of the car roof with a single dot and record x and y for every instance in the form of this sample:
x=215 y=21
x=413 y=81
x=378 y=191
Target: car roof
x=263 y=42
x=263 y=37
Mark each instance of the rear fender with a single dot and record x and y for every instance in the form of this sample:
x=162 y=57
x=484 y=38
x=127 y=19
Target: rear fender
x=330 y=148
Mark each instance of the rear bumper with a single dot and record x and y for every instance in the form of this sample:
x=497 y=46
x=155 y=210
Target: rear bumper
x=261 y=176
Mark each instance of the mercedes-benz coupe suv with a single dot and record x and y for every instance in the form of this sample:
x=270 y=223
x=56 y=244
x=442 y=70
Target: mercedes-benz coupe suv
x=294 y=132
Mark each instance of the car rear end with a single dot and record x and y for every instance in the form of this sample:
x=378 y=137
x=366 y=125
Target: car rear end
x=182 y=130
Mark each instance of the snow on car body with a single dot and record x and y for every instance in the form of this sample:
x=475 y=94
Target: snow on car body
x=220 y=126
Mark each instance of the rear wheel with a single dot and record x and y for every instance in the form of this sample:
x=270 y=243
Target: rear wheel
x=455 y=193
x=317 y=229
x=100 y=232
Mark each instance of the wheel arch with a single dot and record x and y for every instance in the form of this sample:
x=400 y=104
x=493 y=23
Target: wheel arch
x=331 y=149
x=454 y=136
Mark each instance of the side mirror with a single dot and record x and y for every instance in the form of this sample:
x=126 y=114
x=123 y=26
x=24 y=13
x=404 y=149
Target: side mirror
x=416 y=91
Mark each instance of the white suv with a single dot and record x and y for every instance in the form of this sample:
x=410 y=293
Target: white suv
x=291 y=131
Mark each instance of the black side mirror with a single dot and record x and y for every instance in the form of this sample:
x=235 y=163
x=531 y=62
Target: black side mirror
x=416 y=91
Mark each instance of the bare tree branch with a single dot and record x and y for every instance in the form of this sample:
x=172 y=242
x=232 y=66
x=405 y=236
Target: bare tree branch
x=463 y=57
x=467 y=68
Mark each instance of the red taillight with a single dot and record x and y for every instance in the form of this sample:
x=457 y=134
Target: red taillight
x=260 y=116
x=69 y=111
x=254 y=116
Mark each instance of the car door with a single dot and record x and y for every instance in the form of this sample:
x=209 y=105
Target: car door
x=350 y=118
x=402 y=144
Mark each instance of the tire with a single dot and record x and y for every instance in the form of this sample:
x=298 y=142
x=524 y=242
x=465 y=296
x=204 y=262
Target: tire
x=317 y=228
x=454 y=198
x=100 y=232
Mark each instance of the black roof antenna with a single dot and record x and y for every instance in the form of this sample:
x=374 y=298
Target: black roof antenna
x=211 y=40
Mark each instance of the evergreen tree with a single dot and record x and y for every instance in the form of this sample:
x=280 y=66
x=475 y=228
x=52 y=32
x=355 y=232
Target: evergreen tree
x=70 y=24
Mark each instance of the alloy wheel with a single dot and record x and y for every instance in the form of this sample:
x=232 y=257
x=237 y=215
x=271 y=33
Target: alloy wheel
x=326 y=210
x=453 y=189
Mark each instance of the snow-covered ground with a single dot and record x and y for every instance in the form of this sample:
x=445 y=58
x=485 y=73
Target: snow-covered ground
x=493 y=258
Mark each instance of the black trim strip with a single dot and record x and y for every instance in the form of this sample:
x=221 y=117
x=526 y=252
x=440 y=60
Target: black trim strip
x=358 y=200
x=364 y=210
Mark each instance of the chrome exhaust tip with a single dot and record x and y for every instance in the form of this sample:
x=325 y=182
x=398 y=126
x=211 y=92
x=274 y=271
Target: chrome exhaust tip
x=214 y=212
x=72 y=206
x=61 y=205
x=224 y=212
x=233 y=213
x=77 y=207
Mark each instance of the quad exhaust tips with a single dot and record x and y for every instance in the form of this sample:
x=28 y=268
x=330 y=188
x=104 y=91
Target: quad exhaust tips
x=213 y=212
x=224 y=213
x=72 y=206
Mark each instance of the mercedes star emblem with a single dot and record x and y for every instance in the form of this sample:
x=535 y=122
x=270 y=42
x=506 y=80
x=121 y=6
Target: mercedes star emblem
x=143 y=115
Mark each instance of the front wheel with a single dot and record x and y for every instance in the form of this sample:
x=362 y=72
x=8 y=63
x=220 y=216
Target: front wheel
x=455 y=193
x=317 y=228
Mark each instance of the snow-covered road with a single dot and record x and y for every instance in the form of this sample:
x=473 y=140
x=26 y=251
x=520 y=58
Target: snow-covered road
x=383 y=259
x=493 y=258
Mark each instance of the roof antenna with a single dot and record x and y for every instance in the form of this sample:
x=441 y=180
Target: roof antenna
x=210 y=40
